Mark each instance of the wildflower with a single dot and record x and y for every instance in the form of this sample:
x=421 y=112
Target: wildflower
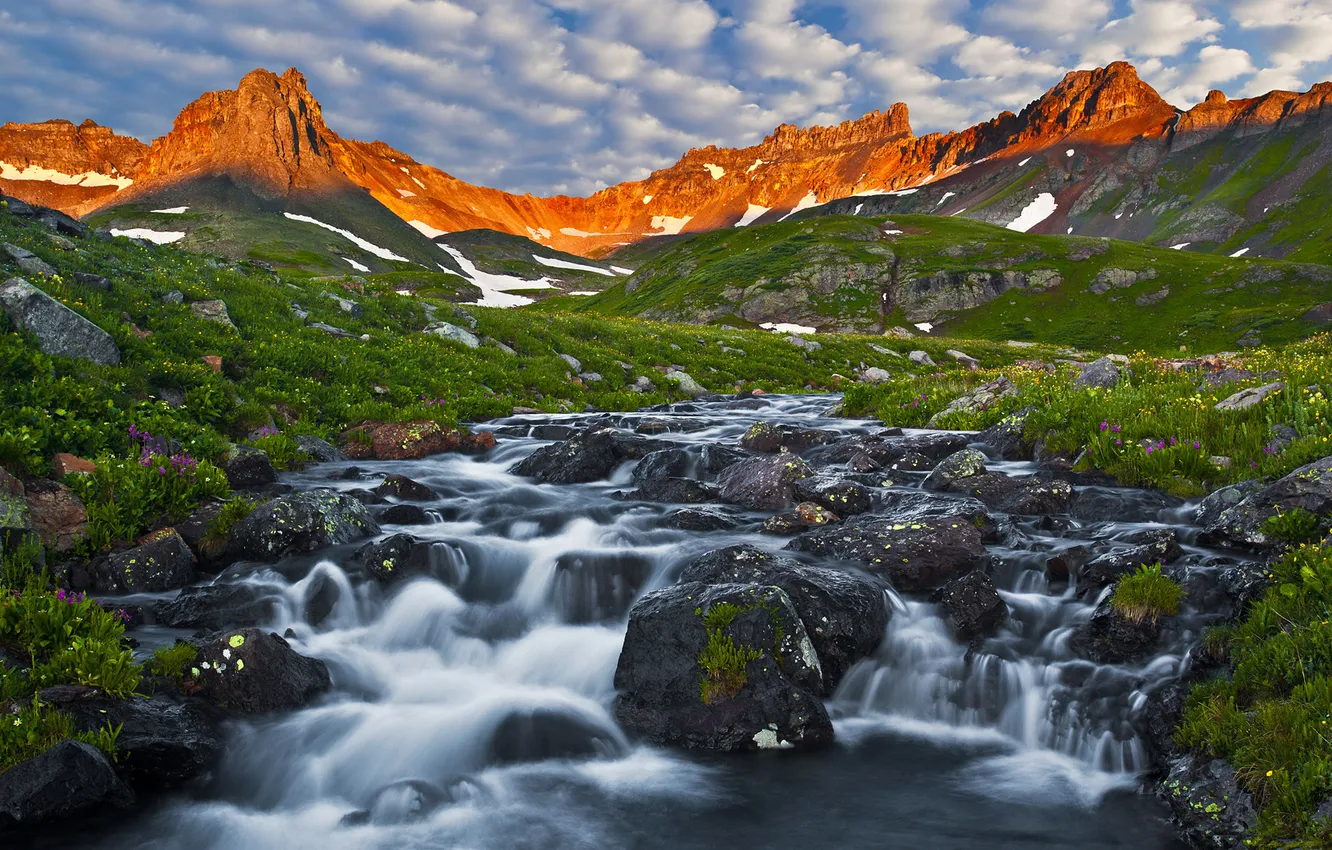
x=1197 y=445
x=1105 y=426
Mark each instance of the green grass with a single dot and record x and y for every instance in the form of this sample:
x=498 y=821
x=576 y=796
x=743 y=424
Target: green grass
x=723 y=661
x=701 y=277
x=1146 y=596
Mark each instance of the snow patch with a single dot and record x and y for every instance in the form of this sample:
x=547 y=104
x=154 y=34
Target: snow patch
x=553 y=263
x=1069 y=152
x=575 y=233
x=1181 y=246
x=787 y=328
x=810 y=201
x=418 y=182
x=406 y=193
x=382 y=253
x=959 y=212
x=751 y=215
x=892 y=233
x=1118 y=216
x=88 y=179
x=495 y=288
x=669 y=225
x=172 y=211
x=582 y=292
x=1024 y=162
x=946 y=196
x=160 y=237
x=751 y=169
x=430 y=232
x=360 y=267
x=536 y=234
x=647 y=199
x=924 y=327
x=1070 y=231
x=716 y=171
x=859 y=207
x=620 y=270
x=1240 y=253
x=404 y=170
x=1036 y=212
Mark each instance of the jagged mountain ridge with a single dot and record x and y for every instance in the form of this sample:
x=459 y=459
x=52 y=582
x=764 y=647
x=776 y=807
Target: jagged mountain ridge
x=268 y=136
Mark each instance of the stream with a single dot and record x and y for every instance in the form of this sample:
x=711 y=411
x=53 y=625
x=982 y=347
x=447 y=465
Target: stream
x=480 y=699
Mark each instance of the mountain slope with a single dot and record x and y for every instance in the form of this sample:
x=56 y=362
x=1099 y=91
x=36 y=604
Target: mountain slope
x=857 y=274
x=1101 y=153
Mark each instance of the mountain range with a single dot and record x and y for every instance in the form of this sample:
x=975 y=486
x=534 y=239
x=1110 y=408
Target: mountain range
x=1100 y=154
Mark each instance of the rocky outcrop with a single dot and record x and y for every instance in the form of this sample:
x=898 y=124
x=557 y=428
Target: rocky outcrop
x=59 y=330
x=1208 y=804
x=763 y=483
x=1308 y=488
x=164 y=563
x=304 y=522
x=255 y=672
x=913 y=556
x=411 y=441
x=589 y=455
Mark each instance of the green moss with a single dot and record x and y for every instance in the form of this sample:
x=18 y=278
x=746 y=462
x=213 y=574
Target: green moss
x=723 y=662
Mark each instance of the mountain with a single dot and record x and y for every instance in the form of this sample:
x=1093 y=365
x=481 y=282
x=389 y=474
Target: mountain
x=1100 y=154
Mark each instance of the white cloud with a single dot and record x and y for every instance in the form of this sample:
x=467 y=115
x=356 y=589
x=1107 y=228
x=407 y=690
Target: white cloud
x=1216 y=65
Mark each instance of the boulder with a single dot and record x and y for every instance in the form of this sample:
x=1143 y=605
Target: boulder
x=701 y=519
x=56 y=514
x=686 y=384
x=92 y=281
x=805 y=515
x=301 y=523
x=1223 y=377
x=683 y=491
x=1209 y=806
x=62 y=223
x=453 y=333
x=972 y=606
x=768 y=439
x=875 y=375
x=212 y=311
x=1100 y=374
x=163 y=742
x=844 y=614
x=405 y=489
x=165 y=563
x=913 y=556
x=1308 y=488
x=836 y=493
x=346 y=305
x=1007 y=437
x=964 y=464
x=248 y=468
x=64 y=463
x=763 y=483
x=542 y=734
x=575 y=365
x=318 y=450
x=979 y=400
x=26 y=260
x=1028 y=495
x=1222 y=500
x=404 y=515
x=1109 y=638
x=966 y=361
x=59 y=330
x=724 y=667
x=921 y=358
x=589 y=455
x=1103 y=571
x=664 y=463
x=412 y=441
x=1244 y=399
x=212 y=607
x=395 y=558
x=71 y=778
x=255 y=672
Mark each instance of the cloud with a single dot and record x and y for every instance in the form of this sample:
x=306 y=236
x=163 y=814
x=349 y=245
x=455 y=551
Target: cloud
x=1215 y=65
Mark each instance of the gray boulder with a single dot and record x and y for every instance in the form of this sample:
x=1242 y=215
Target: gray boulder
x=1308 y=488
x=1244 y=399
x=982 y=398
x=212 y=311
x=29 y=262
x=453 y=333
x=300 y=523
x=1099 y=374
x=70 y=778
x=912 y=555
x=686 y=384
x=964 y=464
x=163 y=564
x=972 y=606
x=763 y=483
x=59 y=330
x=351 y=308
x=256 y=672
x=921 y=358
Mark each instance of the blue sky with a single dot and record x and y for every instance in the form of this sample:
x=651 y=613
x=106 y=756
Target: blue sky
x=570 y=95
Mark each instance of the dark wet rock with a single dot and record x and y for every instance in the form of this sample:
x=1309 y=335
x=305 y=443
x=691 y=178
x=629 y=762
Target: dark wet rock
x=666 y=463
x=210 y=553
x=163 y=742
x=589 y=455
x=767 y=438
x=1222 y=500
x=667 y=697
x=682 y=491
x=351 y=473
x=1100 y=374
x=1107 y=569
x=936 y=446
x=367 y=497
x=405 y=489
x=1110 y=638
x=69 y=779
x=1097 y=503
x=213 y=607
x=542 y=734
x=256 y=672
x=59 y=330
x=718 y=458
x=844 y=614
x=1007 y=437
x=972 y=605
x=912 y=506
x=964 y=464
x=320 y=599
x=1244 y=584
x=1209 y=806
x=912 y=555
x=840 y=495
x=301 y=523
x=763 y=483
x=405 y=515
x=1308 y=488
x=165 y=563
x=1223 y=377
x=1029 y=496
x=806 y=515
x=62 y=223
x=319 y=451
x=395 y=558
x=701 y=519
x=551 y=432
x=1160 y=718
x=248 y=468
x=592 y=587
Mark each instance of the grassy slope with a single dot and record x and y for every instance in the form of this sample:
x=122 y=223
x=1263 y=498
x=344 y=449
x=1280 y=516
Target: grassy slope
x=1213 y=301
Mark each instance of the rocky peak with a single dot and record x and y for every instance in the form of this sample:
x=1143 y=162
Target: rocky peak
x=1089 y=100
x=876 y=127
x=1215 y=97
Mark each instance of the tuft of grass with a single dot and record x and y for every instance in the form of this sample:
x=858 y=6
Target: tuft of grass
x=169 y=662
x=1146 y=596
x=31 y=729
x=1293 y=526
x=231 y=514
x=723 y=661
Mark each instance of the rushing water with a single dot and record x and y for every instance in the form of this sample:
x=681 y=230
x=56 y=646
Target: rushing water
x=474 y=686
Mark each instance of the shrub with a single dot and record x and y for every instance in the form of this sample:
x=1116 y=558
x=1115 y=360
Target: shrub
x=1146 y=595
x=284 y=452
x=232 y=512
x=70 y=638
x=1293 y=526
x=34 y=728
x=169 y=662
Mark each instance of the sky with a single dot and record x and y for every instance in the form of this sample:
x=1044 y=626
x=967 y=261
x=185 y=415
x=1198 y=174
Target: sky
x=568 y=96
